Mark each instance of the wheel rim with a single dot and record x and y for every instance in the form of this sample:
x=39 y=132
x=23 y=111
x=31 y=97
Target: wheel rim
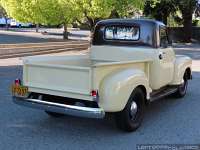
x=133 y=110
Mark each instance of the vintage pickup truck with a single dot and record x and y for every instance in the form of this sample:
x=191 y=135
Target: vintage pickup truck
x=130 y=64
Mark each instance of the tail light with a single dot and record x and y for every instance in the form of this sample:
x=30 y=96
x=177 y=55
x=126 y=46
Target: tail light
x=17 y=82
x=95 y=95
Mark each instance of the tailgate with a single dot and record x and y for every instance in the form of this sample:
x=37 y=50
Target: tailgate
x=58 y=78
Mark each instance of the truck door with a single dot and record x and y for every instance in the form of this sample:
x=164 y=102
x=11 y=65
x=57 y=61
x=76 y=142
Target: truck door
x=166 y=58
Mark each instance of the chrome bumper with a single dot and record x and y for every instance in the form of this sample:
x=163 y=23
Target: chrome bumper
x=80 y=111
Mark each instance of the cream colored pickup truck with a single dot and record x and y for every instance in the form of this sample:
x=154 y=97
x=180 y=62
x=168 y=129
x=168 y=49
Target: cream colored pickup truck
x=131 y=63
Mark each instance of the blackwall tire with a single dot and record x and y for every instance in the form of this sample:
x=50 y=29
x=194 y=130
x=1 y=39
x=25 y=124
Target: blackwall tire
x=182 y=89
x=130 y=118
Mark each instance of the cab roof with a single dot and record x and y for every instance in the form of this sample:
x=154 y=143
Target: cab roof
x=130 y=21
x=148 y=28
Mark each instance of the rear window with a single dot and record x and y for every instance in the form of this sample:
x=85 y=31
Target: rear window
x=122 y=33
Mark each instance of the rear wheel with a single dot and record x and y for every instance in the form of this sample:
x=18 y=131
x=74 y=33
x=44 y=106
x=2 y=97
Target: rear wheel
x=182 y=89
x=131 y=117
x=53 y=114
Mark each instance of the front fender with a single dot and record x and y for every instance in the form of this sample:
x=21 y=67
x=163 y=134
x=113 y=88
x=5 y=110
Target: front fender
x=117 y=87
x=181 y=64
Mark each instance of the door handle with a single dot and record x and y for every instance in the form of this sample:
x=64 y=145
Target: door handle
x=161 y=55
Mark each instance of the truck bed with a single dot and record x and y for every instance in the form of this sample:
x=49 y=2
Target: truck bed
x=70 y=76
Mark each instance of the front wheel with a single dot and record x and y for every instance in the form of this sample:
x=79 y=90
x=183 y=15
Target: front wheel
x=182 y=89
x=131 y=117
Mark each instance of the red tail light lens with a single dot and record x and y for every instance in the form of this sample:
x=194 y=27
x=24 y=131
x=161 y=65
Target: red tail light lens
x=94 y=93
x=17 y=82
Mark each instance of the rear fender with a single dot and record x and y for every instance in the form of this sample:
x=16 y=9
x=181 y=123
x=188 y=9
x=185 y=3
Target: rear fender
x=117 y=87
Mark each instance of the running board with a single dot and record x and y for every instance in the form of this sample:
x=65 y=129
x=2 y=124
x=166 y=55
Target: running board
x=162 y=93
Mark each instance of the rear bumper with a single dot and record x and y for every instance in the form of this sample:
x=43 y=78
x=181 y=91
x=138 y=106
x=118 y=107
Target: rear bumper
x=80 y=111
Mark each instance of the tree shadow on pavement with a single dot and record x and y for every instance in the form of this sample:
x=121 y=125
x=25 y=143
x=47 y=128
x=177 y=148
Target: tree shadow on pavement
x=17 y=39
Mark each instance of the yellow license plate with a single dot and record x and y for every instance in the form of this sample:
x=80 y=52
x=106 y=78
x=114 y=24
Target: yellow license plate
x=18 y=90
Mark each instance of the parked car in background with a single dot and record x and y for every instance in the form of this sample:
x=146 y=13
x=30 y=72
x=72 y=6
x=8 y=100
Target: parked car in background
x=15 y=23
x=3 y=22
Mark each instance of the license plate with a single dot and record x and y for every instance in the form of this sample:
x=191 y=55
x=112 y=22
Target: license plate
x=18 y=90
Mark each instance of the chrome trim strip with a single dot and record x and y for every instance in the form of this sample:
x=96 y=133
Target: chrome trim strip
x=79 y=111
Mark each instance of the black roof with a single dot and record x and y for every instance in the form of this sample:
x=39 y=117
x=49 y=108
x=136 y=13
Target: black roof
x=148 y=30
x=129 y=21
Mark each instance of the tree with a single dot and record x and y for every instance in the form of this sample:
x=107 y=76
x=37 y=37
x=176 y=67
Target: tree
x=92 y=11
x=126 y=8
x=3 y=14
x=48 y=12
x=55 y=12
x=2 y=11
x=22 y=10
x=95 y=10
x=65 y=12
x=160 y=9
x=187 y=8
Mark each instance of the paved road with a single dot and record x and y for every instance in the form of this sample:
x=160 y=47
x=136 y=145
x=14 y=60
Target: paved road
x=29 y=36
x=167 y=121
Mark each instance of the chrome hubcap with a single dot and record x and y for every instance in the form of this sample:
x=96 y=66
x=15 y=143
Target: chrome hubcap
x=134 y=109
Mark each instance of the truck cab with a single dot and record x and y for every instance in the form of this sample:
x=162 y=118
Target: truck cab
x=131 y=63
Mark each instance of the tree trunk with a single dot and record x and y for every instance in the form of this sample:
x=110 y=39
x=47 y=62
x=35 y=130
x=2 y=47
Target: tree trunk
x=187 y=22
x=65 y=32
x=159 y=17
x=91 y=23
x=114 y=14
x=37 y=28
x=162 y=17
x=165 y=16
x=7 y=27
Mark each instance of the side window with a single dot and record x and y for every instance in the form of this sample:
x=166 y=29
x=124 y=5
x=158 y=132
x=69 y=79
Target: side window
x=163 y=38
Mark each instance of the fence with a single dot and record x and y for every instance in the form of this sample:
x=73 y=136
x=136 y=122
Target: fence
x=176 y=33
